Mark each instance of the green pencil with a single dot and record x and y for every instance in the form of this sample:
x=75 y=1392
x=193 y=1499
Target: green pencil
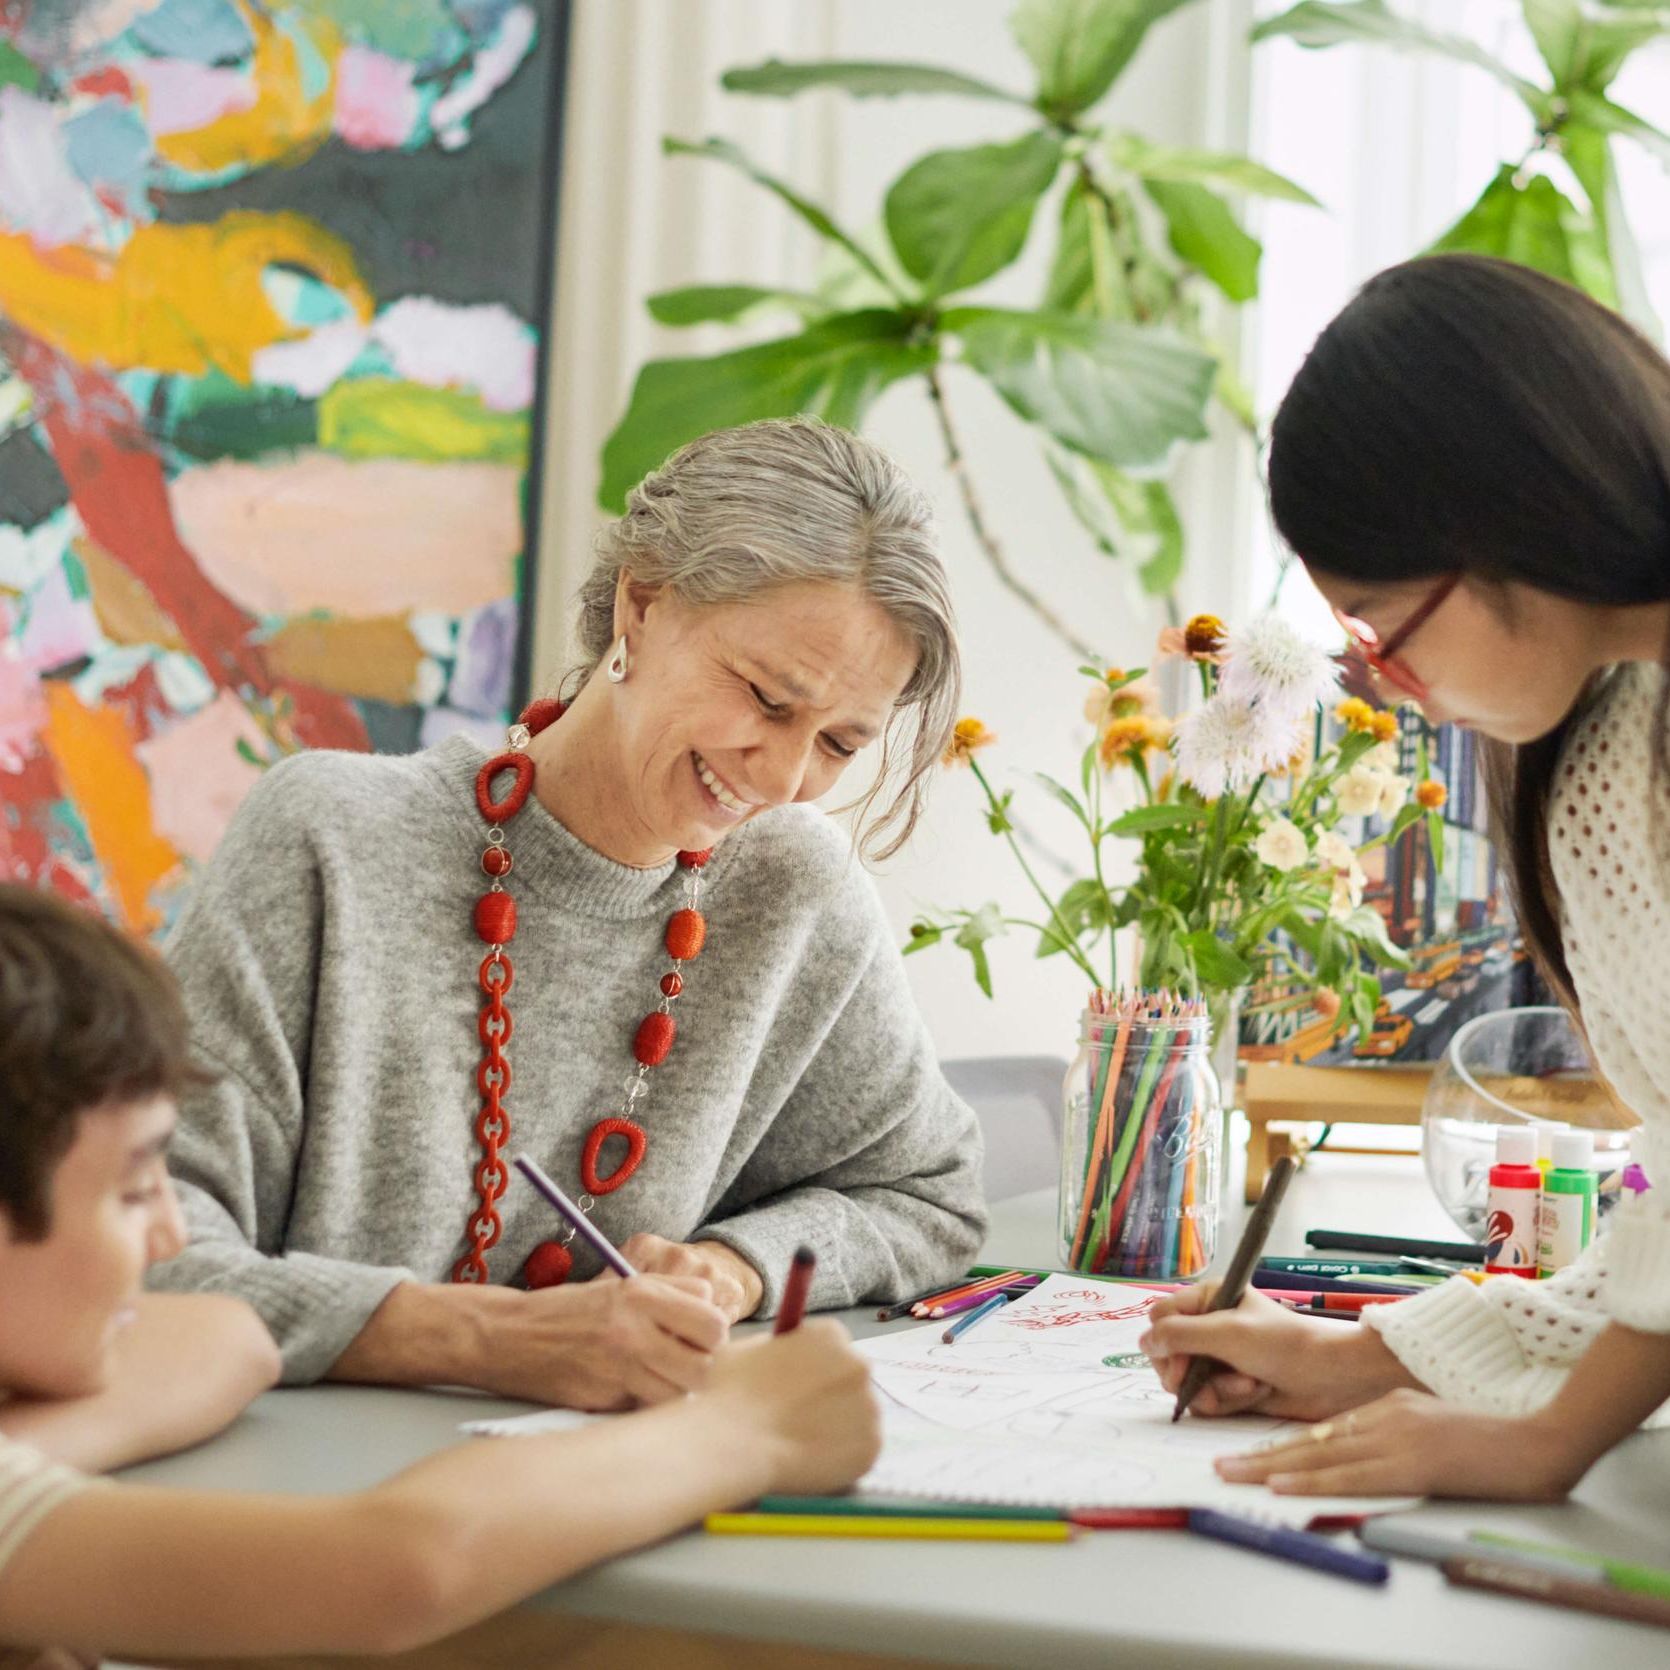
x=899 y=1507
x=1621 y=1574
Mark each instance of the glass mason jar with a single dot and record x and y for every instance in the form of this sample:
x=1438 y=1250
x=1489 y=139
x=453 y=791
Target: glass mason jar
x=1141 y=1149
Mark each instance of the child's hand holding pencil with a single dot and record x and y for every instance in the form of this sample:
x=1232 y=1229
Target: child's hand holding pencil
x=1279 y=1363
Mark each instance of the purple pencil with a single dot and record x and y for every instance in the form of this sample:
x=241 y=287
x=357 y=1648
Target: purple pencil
x=583 y=1226
x=970 y=1300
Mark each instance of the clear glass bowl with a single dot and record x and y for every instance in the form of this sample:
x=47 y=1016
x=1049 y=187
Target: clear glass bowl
x=1514 y=1067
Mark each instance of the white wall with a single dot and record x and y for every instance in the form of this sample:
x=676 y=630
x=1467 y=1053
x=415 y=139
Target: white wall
x=633 y=222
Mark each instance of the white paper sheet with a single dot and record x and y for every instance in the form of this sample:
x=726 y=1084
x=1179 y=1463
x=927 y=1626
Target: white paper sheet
x=1050 y=1402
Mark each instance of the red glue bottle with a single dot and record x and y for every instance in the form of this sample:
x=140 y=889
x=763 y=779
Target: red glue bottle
x=1510 y=1235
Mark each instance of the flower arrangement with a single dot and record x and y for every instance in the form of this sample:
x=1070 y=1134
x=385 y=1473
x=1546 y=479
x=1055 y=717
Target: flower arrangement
x=1242 y=866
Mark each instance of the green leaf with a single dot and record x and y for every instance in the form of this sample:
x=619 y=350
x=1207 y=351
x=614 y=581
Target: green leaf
x=834 y=370
x=1588 y=153
x=1352 y=748
x=1206 y=235
x=1083 y=910
x=1123 y=393
x=247 y=754
x=1557 y=28
x=1136 y=155
x=1079 y=46
x=1597 y=111
x=1371 y=23
x=1215 y=963
x=1365 y=1003
x=862 y=78
x=1580 y=50
x=1087 y=768
x=922 y=935
x=1435 y=839
x=1066 y=796
x=957 y=217
x=1072 y=277
x=722 y=150
x=701 y=304
x=1535 y=224
x=1145 y=820
x=985 y=923
x=1367 y=927
x=997 y=817
x=1125 y=517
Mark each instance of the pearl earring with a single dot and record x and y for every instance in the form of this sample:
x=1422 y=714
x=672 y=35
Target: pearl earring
x=617 y=663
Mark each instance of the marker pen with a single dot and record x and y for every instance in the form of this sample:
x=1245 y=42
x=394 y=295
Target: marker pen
x=1510 y=1235
x=1566 y=1216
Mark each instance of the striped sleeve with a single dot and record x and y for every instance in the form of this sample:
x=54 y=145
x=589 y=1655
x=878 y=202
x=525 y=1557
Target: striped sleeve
x=30 y=1488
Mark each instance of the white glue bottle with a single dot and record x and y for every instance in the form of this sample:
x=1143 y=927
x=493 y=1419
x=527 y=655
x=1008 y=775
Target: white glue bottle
x=1510 y=1231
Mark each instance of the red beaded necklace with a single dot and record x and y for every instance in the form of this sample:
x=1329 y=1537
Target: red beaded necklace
x=495 y=925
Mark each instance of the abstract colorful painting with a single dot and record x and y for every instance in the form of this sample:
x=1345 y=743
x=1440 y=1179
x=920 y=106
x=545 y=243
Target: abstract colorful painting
x=273 y=281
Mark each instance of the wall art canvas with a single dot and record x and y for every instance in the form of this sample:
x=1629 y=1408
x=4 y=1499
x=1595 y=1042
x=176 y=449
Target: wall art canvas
x=274 y=276
x=1445 y=906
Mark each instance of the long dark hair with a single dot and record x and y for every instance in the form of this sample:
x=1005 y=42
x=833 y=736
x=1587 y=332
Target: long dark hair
x=1468 y=415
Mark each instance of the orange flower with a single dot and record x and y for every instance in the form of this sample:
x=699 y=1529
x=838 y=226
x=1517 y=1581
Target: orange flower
x=1204 y=636
x=1355 y=714
x=1384 y=726
x=1325 y=1001
x=969 y=735
x=1430 y=795
x=1202 y=639
x=1124 y=738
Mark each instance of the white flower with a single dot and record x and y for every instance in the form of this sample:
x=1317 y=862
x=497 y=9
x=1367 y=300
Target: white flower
x=1281 y=844
x=1224 y=745
x=1269 y=663
x=1382 y=757
x=1358 y=792
x=1333 y=850
x=1394 y=790
x=1348 y=892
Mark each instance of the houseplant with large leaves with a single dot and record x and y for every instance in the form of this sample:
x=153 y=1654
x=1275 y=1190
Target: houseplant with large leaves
x=1111 y=372
x=1555 y=207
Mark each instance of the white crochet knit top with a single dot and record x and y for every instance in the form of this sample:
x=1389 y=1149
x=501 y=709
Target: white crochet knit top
x=1507 y=1345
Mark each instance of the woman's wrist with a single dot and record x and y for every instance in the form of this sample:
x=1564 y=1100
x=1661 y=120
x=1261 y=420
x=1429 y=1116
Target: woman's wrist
x=426 y=1334
x=1359 y=1366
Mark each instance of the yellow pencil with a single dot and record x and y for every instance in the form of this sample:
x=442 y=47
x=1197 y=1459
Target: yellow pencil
x=857 y=1525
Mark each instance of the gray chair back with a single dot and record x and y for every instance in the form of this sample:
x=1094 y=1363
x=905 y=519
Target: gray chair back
x=1017 y=1099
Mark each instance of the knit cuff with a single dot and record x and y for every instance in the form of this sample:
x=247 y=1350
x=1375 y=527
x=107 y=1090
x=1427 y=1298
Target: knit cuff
x=1637 y=1289
x=1462 y=1348
x=313 y=1307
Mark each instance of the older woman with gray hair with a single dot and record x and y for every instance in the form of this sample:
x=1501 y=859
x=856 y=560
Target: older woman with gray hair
x=625 y=945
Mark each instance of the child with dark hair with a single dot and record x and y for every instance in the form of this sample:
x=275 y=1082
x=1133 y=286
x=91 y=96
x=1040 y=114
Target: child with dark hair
x=95 y=1374
x=1473 y=465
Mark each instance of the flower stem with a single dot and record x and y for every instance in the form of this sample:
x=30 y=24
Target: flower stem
x=1060 y=927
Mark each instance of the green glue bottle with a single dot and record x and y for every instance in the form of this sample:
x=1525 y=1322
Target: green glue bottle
x=1566 y=1220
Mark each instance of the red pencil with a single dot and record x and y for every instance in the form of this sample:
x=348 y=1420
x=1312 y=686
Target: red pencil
x=795 y=1290
x=1130 y=1519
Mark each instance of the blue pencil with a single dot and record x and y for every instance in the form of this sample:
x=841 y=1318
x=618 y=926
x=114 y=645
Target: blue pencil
x=967 y=1321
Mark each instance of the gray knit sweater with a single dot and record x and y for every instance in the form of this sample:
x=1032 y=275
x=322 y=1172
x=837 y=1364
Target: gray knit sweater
x=329 y=965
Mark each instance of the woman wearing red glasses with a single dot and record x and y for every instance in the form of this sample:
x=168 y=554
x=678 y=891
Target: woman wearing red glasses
x=1473 y=465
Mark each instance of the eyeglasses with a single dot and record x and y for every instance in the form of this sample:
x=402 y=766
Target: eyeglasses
x=1383 y=657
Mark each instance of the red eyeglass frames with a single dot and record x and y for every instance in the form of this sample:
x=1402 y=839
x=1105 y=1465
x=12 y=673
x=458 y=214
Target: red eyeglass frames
x=1383 y=657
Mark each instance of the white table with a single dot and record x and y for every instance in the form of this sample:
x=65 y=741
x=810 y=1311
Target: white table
x=1153 y=1599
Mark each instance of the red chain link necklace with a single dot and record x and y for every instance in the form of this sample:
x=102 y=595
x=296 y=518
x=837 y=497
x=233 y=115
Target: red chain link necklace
x=495 y=924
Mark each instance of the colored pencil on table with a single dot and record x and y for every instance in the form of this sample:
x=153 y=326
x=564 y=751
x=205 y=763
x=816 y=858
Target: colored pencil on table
x=880 y=1525
x=901 y=1507
x=986 y=1286
x=969 y=1301
x=966 y=1321
x=1113 y=1069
